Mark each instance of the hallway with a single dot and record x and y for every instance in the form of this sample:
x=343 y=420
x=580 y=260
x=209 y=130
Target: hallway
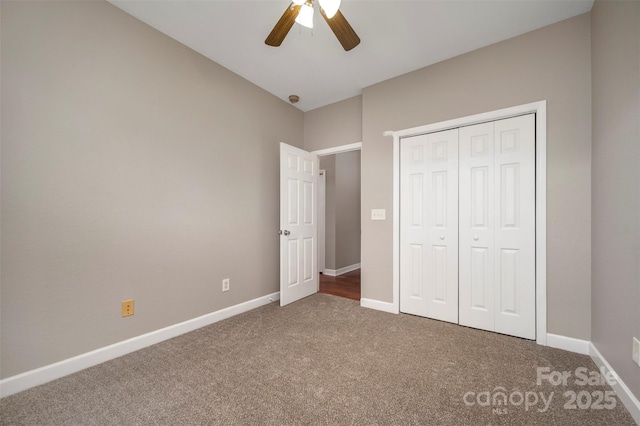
x=345 y=285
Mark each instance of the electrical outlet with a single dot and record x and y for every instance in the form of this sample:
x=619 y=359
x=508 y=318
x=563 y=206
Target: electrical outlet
x=636 y=351
x=226 y=284
x=127 y=308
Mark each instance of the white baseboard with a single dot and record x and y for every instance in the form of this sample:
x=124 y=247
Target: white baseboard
x=568 y=343
x=378 y=305
x=29 y=379
x=624 y=393
x=336 y=272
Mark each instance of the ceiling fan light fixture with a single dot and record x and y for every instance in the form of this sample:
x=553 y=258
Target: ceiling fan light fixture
x=330 y=7
x=305 y=16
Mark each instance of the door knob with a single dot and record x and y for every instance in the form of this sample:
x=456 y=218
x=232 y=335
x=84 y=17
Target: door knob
x=442 y=237
x=286 y=232
x=475 y=237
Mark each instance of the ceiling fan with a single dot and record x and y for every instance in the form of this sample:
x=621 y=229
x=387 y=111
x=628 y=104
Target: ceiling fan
x=301 y=11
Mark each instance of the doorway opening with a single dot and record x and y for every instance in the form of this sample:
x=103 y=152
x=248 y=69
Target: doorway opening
x=339 y=221
x=345 y=285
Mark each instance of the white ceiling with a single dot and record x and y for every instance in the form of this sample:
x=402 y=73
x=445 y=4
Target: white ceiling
x=397 y=37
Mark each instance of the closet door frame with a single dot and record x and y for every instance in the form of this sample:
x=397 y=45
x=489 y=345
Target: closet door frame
x=540 y=109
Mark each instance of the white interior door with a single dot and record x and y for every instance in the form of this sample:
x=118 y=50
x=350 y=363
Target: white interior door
x=497 y=226
x=429 y=225
x=298 y=224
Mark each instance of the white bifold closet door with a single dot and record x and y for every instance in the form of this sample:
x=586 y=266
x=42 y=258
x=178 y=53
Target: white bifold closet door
x=485 y=236
x=497 y=226
x=429 y=231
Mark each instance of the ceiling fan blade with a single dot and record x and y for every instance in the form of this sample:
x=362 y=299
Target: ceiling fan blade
x=282 y=27
x=343 y=31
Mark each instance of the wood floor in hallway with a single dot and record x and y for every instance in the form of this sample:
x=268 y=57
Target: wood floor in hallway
x=345 y=285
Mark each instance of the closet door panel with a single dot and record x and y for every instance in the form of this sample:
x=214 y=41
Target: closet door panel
x=413 y=234
x=429 y=226
x=476 y=223
x=515 y=226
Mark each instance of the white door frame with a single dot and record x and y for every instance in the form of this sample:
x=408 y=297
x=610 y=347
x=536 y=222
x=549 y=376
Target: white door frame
x=338 y=149
x=322 y=203
x=540 y=109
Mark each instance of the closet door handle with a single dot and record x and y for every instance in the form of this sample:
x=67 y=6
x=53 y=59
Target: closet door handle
x=475 y=238
x=442 y=237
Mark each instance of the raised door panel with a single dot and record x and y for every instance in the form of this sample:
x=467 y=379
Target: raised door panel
x=308 y=260
x=292 y=204
x=293 y=255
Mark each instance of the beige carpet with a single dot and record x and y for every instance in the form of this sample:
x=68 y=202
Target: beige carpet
x=323 y=360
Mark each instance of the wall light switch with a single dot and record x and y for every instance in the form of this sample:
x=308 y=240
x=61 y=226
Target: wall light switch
x=378 y=214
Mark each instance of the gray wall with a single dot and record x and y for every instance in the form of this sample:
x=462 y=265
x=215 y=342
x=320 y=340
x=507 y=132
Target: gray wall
x=334 y=125
x=328 y=164
x=132 y=167
x=553 y=64
x=616 y=184
x=129 y=169
x=342 y=209
x=347 y=209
